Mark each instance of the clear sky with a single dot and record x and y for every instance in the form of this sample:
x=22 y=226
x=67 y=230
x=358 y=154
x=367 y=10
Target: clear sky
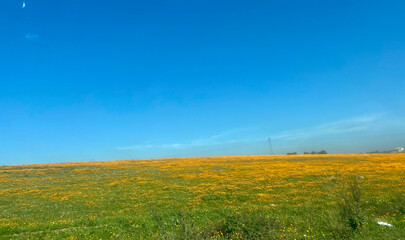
x=84 y=80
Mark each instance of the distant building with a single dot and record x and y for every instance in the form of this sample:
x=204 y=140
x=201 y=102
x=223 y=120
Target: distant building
x=399 y=149
x=396 y=150
x=292 y=153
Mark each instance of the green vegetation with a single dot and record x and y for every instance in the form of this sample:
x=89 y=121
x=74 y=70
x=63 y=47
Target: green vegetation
x=251 y=197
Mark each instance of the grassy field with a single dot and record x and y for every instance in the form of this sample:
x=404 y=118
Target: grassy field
x=246 y=197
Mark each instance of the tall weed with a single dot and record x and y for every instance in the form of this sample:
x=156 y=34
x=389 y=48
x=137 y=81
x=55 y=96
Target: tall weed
x=349 y=217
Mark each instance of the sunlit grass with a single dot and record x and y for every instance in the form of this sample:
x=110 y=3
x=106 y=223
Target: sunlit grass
x=293 y=197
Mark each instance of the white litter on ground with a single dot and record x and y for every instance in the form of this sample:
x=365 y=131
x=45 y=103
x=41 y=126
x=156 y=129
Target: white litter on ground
x=384 y=224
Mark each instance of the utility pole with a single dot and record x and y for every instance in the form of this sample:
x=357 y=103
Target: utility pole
x=270 y=146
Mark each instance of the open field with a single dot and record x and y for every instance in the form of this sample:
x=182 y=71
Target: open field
x=246 y=197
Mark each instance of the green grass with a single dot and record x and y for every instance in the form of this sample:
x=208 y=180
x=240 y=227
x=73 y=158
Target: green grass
x=252 y=197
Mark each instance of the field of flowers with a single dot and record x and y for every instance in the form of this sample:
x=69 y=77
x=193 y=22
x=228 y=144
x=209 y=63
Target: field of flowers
x=243 y=197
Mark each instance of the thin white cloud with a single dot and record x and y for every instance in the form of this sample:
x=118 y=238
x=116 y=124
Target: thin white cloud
x=173 y=146
x=188 y=145
x=345 y=126
x=332 y=129
x=139 y=146
x=213 y=140
x=217 y=137
x=31 y=36
x=230 y=132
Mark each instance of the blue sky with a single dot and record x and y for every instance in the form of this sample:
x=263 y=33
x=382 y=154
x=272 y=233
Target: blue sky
x=103 y=80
